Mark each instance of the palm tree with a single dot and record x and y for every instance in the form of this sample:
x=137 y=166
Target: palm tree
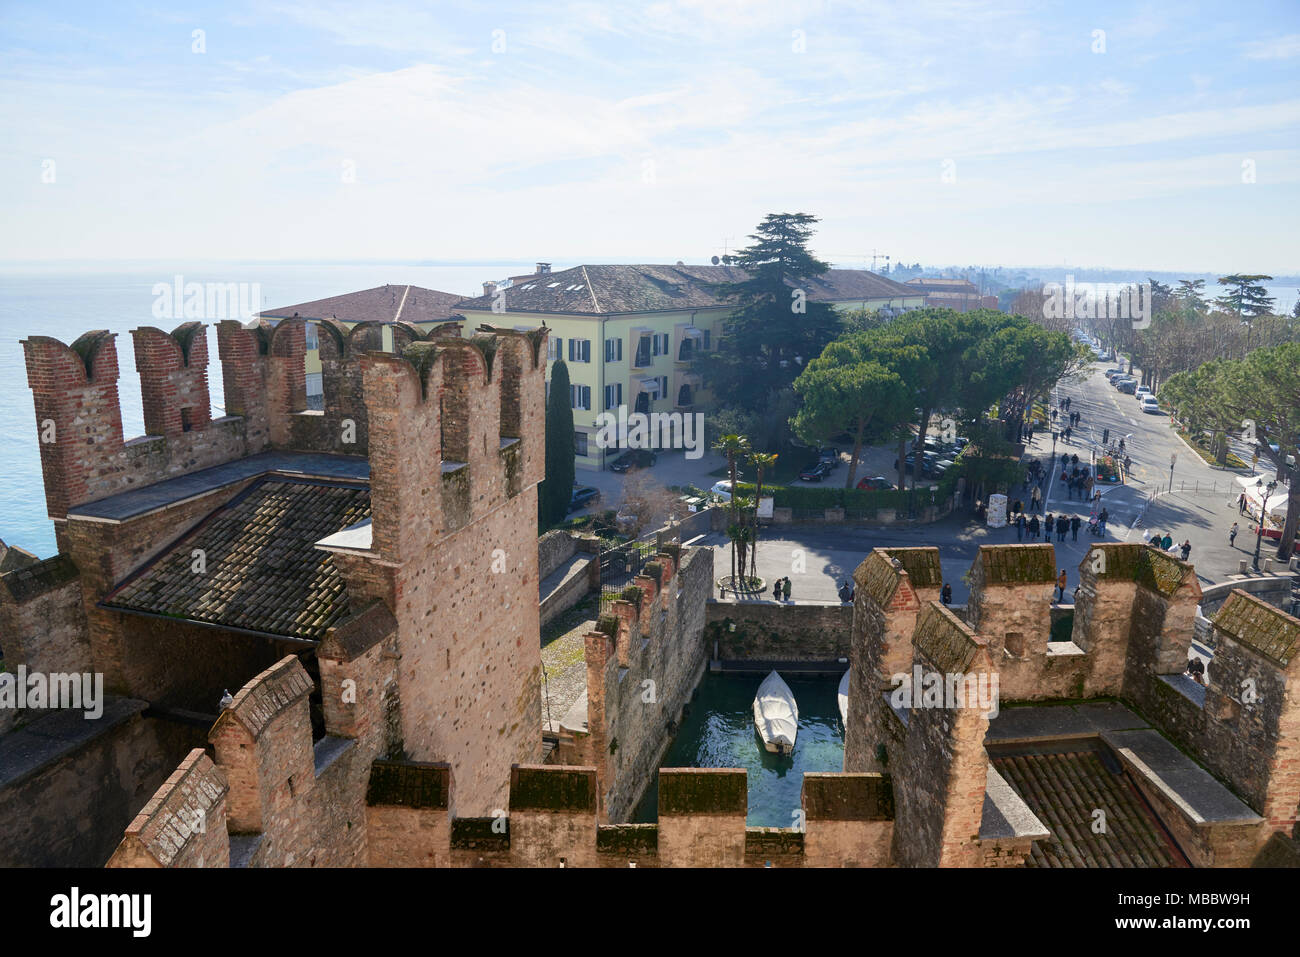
x=732 y=446
x=762 y=462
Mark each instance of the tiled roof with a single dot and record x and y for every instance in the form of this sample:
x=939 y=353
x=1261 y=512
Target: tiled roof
x=263 y=571
x=617 y=289
x=921 y=564
x=1064 y=791
x=409 y=784
x=381 y=304
x=1259 y=625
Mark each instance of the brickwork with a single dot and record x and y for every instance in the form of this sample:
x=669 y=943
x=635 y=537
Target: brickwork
x=777 y=632
x=640 y=678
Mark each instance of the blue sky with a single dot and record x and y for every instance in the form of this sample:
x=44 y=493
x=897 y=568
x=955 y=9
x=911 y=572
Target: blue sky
x=946 y=132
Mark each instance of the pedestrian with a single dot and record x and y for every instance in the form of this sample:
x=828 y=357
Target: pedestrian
x=776 y=589
x=1049 y=526
x=1036 y=499
x=1128 y=465
x=845 y=594
x=1020 y=527
x=1167 y=543
x=786 y=589
x=1053 y=415
x=1186 y=548
x=1232 y=535
x=1060 y=587
x=1017 y=507
x=1074 y=459
x=946 y=595
x=1102 y=519
x=1074 y=528
x=1241 y=505
x=1029 y=437
x=1067 y=405
x=1062 y=526
x=1068 y=432
x=1033 y=527
x=1121 y=445
x=1196 y=668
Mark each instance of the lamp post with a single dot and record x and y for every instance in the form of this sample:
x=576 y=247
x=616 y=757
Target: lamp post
x=1172 y=459
x=1266 y=490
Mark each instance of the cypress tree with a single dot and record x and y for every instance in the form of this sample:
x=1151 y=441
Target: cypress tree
x=557 y=488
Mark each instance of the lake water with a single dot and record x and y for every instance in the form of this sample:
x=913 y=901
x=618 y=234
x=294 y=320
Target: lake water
x=719 y=733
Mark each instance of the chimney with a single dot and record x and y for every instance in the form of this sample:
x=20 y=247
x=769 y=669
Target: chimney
x=543 y=268
x=489 y=289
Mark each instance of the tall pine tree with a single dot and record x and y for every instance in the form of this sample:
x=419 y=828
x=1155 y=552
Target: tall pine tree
x=774 y=329
x=556 y=489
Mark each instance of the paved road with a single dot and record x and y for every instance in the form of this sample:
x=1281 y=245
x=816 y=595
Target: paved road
x=1200 y=508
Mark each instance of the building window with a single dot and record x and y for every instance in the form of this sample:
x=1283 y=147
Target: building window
x=614 y=395
x=686 y=351
x=705 y=347
x=642 y=352
x=313 y=337
x=664 y=347
x=580 y=396
x=554 y=348
x=684 y=396
x=579 y=350
x=663 y=387
x=613 y=350
x=579 y=443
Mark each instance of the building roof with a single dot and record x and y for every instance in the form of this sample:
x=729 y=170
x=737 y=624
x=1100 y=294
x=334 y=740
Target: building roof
x=1270 y=631
x=630 y=289
x=1017 y=564
x=1064 y=790
x=381 y=304
x=262 y=571
x=943 y=285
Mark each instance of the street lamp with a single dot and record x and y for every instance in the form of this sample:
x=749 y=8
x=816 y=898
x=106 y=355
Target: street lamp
x=1267 y=490
x=1172 y=459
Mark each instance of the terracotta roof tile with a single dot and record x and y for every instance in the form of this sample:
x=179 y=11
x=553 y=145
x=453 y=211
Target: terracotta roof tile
x=381 y=304
x=263 y=571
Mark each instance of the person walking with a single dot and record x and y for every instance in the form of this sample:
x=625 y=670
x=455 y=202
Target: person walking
x=946 y=595
x=846 y=595
x=1068 y=432
x=1033 y=527
x=786 y=589
x=1020 y=527
x=1060 y=587
x=1075 y=522
x=1036 y=499
x=1186 y=548
x=776 y=589
x=1049 y=526
x=1241 y=506
x=1102 y=519
x=1062 y=526
x=1232 y=535
x=1166 y=543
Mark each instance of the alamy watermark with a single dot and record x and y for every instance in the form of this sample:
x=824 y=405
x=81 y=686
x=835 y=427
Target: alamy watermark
x=956 y=691
x=71 y=691
x=1098 y=300
x=651 y=430
x=179 y=299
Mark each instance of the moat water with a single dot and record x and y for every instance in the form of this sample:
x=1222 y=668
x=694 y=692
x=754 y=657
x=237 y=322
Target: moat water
x=719 y=732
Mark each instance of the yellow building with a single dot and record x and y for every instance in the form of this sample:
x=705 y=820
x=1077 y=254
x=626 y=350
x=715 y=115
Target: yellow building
x=630 y=334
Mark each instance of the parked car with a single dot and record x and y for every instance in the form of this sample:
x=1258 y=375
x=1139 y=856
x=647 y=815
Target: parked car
x=1127 y=386
x=583 y=496
x=633 y=459
x=876 y=483
x=931 y=463
x=1150 y=405
x=815 y=472
x=830 y=455
x=722 y=490
x=1141 y=393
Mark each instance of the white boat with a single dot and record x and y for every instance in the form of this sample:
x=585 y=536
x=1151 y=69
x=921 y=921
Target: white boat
x=776 y=715
x=844 y=699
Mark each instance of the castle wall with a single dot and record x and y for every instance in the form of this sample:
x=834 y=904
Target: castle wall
x=771 y=631
x=42 y=623
x=640 y=678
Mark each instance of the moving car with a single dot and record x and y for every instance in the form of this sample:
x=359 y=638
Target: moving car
x=633 y=459
x=582 y=497
x=815 y=472
x=876 y=483
x=1150 y=405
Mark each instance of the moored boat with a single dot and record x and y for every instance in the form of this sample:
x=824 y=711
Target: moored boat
x=776 y=715
x=844 y=699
